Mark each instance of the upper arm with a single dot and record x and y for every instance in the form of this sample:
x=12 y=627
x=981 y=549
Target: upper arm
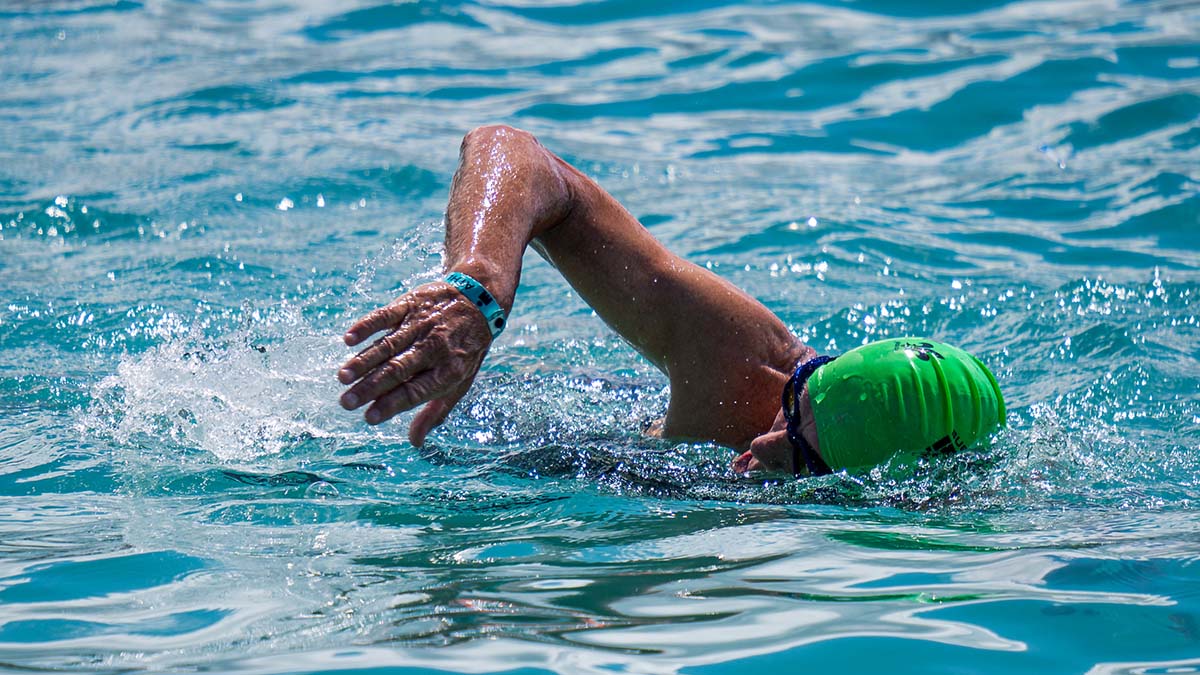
x=725 y=354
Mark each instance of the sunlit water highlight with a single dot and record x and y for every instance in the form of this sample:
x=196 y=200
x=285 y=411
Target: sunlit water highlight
x=196 y=199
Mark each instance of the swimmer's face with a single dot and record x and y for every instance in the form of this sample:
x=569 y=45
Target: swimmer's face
x=772 y=451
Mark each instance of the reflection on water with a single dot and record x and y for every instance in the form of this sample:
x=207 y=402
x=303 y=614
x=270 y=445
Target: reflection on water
x=196 y=198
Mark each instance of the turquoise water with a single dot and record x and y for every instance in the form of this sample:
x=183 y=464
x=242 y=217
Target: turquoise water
x=196 y=198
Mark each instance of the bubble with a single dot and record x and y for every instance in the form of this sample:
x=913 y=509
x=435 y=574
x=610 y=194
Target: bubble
x=321 y=490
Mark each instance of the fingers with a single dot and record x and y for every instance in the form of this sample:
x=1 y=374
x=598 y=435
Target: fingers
x=376 y=321
x=434 y=414
x=746 y=462
x=742 y=463
x=391 y=345
x=398 y=400
x=431 y=354
x=429 y=417
x=390 y=375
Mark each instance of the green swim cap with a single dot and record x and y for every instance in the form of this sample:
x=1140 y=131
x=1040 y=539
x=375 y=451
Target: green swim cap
x=903 y=395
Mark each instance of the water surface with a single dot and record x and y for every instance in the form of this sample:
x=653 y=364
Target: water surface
x=196 y=198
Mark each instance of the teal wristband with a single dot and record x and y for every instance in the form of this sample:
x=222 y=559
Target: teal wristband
x=485 y=302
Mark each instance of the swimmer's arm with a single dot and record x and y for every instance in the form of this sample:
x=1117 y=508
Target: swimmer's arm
x=719 y=347
x=726 y=355
x=506 y=191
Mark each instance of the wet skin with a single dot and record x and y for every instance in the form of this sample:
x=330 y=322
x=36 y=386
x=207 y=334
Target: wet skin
x=726 y=356
x=773 y=451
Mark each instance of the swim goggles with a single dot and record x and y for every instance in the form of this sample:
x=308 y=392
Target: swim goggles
x=791 y=412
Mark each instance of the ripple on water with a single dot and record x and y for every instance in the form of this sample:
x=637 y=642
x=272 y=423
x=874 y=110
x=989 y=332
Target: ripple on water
x=196 y=198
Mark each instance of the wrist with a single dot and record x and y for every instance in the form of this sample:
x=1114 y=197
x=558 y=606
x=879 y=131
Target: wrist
x=493 y=314
x=488 y=275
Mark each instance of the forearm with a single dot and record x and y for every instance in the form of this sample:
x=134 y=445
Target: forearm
x=508 y=190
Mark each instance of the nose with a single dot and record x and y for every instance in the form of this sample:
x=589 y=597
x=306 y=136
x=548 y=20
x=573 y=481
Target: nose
x=763 y=452
x=770 y=451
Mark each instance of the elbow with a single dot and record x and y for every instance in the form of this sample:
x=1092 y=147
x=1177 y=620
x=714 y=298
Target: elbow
x=491 y=135
x=543 y=175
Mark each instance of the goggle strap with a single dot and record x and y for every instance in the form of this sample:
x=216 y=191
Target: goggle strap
x=800 y=446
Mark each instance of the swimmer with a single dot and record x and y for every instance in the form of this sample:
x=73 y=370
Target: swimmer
x=738 y=376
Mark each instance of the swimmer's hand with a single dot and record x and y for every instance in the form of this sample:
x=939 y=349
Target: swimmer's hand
x=435 y=342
